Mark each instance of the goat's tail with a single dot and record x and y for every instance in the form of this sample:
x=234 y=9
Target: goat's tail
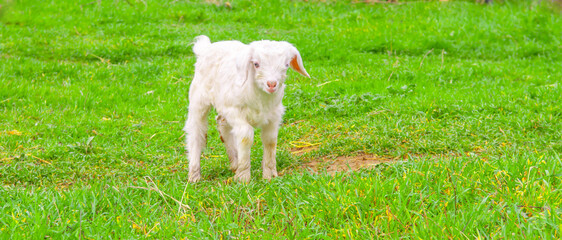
x=201 y=44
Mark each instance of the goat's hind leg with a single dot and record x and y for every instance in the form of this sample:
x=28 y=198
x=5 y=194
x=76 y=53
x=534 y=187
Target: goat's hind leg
x=196 y=129
x=227 y=138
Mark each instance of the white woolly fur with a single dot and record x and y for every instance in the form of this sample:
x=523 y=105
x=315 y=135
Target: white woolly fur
x=245 y=84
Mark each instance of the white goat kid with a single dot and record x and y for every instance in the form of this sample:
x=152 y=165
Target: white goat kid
x=245 y=84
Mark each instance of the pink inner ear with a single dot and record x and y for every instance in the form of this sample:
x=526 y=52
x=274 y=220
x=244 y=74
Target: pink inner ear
x=295 y=65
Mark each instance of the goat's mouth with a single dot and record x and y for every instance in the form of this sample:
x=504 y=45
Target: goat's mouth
x=270 y=90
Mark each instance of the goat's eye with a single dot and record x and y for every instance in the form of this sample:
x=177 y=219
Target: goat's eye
x=257 y=65
x=287 y=65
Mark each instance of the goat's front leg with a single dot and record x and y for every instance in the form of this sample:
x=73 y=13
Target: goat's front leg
x=244 y=137
x=269 y=140
x=196 y=129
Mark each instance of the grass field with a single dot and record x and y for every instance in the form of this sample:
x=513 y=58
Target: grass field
x=462 y=99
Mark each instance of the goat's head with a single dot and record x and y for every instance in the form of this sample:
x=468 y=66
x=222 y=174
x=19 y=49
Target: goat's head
x=269 y=61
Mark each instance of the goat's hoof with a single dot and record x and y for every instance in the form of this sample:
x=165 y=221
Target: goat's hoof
x=268 y=175
x=194 y=178
x=244 y=178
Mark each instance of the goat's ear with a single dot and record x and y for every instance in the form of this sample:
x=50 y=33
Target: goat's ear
x=244 y=66
x=296 y=63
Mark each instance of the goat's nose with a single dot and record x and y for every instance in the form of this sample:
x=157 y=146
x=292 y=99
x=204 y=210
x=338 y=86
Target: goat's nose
x=271 y=84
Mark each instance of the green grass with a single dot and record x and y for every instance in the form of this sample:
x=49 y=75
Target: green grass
x=93 y=98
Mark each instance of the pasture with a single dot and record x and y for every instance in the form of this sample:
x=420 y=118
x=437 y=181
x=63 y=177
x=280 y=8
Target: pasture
x=458 y=103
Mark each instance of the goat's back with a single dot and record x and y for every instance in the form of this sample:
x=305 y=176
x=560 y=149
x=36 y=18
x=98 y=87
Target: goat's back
x=220 y=70
x=203 y=47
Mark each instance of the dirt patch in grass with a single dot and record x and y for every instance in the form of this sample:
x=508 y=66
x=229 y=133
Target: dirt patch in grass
x=331 y=165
